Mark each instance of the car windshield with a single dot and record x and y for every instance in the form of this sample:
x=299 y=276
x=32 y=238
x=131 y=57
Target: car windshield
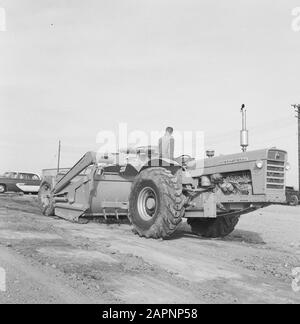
x=23 y=176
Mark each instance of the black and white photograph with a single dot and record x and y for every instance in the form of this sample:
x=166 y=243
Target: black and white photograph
x=149 y=155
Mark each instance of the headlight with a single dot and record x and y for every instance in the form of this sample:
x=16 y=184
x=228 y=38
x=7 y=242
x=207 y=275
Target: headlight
x=259 y=164
x=287 y=166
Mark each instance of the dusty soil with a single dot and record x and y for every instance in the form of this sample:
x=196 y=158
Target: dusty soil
x=49 y=260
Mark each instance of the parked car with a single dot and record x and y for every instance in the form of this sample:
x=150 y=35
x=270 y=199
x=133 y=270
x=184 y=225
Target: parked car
x=19 y=182
x=292 y=196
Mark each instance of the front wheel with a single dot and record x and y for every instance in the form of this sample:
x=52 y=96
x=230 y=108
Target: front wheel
x=214 y=227
x=156 y=204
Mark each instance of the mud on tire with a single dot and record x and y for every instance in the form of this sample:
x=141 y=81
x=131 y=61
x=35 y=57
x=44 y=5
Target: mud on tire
x=45 y=199
x=214 y=227
x=156 y=204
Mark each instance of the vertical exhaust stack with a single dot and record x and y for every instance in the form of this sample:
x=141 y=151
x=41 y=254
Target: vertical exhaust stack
x=244 y=131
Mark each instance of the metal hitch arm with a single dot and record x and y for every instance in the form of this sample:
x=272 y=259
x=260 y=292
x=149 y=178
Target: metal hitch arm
x=88 y=159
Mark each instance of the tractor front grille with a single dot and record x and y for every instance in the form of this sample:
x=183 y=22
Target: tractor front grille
x=275 y=174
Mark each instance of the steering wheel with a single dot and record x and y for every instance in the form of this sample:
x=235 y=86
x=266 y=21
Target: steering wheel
x=184 y=158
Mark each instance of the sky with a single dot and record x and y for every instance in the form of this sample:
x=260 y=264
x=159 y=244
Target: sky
x=69 y=69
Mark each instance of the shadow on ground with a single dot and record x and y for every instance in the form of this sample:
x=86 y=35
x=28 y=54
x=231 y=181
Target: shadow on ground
x=236 y=236
x=245 y=236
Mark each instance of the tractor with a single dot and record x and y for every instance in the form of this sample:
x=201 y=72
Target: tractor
x=155 y=193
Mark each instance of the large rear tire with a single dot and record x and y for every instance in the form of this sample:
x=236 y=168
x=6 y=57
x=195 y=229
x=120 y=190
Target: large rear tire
x=46 y=200
x=214 y=227
x=156 y=204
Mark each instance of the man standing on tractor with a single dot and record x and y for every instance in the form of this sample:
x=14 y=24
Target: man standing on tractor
x=166 y=144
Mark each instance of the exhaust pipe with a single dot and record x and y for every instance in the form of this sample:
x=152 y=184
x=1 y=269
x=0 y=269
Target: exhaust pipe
x=244 y=132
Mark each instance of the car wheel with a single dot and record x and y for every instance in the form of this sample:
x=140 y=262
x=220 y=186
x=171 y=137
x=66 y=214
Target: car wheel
x=294 y=201
x=2 y=188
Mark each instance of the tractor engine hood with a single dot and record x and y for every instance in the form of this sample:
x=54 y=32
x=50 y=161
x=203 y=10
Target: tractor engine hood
x=236 y=162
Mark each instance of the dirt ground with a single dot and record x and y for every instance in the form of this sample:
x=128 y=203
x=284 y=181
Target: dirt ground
x=50 y=260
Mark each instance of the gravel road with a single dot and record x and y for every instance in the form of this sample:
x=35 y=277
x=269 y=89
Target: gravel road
x=49 y=260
